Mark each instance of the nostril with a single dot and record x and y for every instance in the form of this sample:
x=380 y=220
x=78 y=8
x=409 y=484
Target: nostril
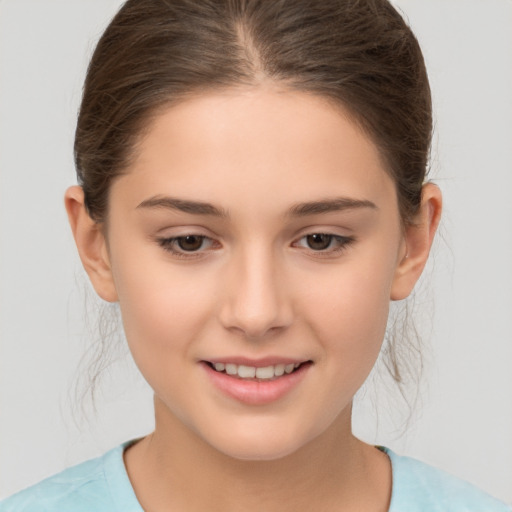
x=255 y=306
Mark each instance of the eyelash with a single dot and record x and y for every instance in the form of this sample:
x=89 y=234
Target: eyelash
x=170 y=245
x=341 y=244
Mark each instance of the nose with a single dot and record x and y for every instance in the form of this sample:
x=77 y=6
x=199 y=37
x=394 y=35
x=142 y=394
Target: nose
x=256 y=299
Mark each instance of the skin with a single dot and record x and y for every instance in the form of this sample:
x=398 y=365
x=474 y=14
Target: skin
x=255 y=288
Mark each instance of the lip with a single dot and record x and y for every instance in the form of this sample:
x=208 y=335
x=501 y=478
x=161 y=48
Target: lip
x=256 y=392
x=257 y=363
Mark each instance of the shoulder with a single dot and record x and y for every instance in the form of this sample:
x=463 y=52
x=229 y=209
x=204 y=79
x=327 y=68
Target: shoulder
x=99 y=484
x=418 y=487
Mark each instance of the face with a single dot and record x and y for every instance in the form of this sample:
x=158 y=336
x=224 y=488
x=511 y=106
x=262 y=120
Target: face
x=254 y=243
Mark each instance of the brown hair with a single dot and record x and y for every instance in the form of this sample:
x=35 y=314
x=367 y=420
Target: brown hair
x=358 y=53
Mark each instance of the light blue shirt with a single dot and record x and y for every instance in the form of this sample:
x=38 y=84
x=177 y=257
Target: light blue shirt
x=102 y=485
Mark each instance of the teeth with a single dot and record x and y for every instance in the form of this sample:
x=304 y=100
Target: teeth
x=246 y=372
x=264 y=373
x=231 y=369
x=279 y=370
x=251 y=372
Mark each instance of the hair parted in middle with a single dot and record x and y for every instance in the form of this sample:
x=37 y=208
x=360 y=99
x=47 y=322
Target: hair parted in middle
x=358 y=54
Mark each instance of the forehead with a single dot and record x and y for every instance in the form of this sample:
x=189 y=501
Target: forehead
x=261 y=147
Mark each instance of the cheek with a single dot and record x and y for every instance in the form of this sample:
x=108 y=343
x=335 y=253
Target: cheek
x=351 y=313
x=163 y=309
x=359 y=317
x=162 y=316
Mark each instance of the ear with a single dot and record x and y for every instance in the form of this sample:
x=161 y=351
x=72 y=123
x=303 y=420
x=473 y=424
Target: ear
x=418 y=238
x=91 y=243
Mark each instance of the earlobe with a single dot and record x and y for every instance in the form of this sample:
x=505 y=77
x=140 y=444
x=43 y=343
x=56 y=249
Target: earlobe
x=418 y=240
x=91 y=243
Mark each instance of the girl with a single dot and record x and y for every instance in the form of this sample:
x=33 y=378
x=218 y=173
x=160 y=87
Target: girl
x=252 y=193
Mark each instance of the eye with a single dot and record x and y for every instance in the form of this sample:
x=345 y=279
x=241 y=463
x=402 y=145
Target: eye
x=190 y=243
x=324 y=242
x=181 y=245
x=319 y=241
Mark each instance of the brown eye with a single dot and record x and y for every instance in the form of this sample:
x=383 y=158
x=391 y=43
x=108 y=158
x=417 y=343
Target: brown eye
x=190 y=243
x=319 y=241
x=324 y=244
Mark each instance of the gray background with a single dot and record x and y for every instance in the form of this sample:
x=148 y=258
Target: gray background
x=464 y=423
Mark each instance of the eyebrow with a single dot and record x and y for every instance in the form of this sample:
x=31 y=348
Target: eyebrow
x=298 y=210
x=336 y=204
x=183 y=205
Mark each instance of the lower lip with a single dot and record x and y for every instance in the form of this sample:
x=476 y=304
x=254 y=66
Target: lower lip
x=256 y=392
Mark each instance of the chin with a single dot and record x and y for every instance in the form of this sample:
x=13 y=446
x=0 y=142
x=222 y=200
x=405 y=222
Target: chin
x=260 y=445
x=259 y=453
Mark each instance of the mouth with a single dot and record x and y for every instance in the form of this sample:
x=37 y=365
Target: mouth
x=256 y=383
x=256 y=373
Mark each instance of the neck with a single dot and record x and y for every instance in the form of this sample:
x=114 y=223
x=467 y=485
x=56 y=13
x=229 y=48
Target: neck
x=174 y=469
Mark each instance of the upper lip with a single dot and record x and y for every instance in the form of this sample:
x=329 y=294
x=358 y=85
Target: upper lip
x=257 y=363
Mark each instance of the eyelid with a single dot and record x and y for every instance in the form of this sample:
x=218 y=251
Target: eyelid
x=343 y=243
x=169 y=244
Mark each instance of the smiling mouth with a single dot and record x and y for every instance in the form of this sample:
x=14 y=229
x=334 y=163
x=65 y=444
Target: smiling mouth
x=265 y=373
